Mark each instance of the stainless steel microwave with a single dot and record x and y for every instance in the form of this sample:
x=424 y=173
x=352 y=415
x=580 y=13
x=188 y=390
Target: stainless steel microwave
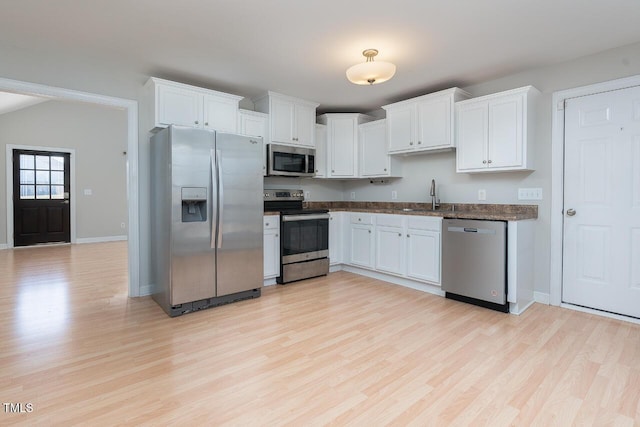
x=284 y=160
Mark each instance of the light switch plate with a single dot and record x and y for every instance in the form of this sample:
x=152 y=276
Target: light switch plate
x=529 y=193
x=482 y=194
x=394 y=195
x=88 y=192
x=353 y=195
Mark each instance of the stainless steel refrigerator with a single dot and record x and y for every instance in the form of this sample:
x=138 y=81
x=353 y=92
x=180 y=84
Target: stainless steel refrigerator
x=206 y=218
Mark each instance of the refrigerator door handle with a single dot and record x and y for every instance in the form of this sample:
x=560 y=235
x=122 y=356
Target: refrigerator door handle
x=214 y=198
x=220 y=198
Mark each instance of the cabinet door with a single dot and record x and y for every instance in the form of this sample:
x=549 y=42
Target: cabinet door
x=434 y=123
x=361 y=245
x=374 y=156
x=335 y=238
x=400 y=128
x=254 y=125
x=423 y=255
x=220 y=113
x=321 y=151
x=472 y=136
x=281 y=113
x=505 y=132
x=389 y=250
x=342 y=146
x=271 y=253
x=178 y=106
x=305 y=121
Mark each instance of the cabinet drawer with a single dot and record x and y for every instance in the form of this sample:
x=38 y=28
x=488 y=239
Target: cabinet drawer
x=425 y=223
x=390 y=220
x=362 y=218
x=271 y=222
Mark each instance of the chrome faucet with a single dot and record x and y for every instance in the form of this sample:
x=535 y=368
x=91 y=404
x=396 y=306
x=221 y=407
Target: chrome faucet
x=432 y=192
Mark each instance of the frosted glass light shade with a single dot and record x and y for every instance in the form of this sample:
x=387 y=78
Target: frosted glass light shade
x=370 y=72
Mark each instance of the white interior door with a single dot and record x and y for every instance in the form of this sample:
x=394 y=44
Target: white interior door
x=601 y=259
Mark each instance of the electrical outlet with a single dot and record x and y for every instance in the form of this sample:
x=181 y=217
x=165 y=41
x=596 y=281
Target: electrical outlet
x=122 y=225
x=529 y=193
x=307 y=195
x=394 y=195
x=482 y=194
x=88 y=192
x=353 y=195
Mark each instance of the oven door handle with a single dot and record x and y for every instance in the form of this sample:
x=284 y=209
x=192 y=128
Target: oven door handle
x=304 y=217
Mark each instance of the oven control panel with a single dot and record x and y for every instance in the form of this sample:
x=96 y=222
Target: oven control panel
x=283 y=195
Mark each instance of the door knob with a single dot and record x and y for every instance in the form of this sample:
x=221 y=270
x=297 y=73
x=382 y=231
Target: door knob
x=571 y=212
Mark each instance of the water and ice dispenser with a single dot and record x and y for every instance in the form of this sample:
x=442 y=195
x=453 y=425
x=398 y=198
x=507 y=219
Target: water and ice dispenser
x=194 y=204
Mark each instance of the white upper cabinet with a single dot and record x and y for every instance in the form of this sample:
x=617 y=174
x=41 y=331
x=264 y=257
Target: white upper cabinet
x=253 y=123
x=342 y=143
x=495 y=132
x=292 y=120
x=374 y=159
x=424 y=123
x=184 y=105
x=321 y=151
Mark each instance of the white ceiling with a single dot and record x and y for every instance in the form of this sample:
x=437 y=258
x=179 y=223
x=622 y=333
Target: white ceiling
x=13 y=101
x=303 y=47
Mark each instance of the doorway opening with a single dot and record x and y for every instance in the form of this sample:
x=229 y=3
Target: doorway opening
x=130 y=107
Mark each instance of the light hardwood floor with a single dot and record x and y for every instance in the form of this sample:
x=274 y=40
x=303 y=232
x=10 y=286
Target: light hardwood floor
x=341 y=350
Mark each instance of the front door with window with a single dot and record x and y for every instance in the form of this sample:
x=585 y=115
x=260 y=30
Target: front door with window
x=41 y=185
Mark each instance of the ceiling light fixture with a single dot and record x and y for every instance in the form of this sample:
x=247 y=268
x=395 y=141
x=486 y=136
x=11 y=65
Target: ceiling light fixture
x=371 y=72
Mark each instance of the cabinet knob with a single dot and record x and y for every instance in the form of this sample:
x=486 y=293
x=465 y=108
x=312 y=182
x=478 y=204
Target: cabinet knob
x=385 y=169
x=316 y=170
x=410 y=143
x=196 y=122
x=276 y=235
x=332 y=171
x=571 y=212
x=489 y=161
x=419 y=142
x=484 y=162
x=206 y=123
x=369 y=231
x=407 y=235
x=359 y=219
x=399 y=234
x=266 y=223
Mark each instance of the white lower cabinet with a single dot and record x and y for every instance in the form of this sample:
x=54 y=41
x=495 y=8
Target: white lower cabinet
x=406 y=246
x=335 y=238
x=271 y=246
x=361 y=239
x=423 y=260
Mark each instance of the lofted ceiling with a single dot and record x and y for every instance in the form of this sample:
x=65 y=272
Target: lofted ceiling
x=302 y=48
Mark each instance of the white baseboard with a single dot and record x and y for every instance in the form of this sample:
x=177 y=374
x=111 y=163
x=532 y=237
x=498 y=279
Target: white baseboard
x=541 y=297
x=3 y=246
x=81 y=240
x=269 y=282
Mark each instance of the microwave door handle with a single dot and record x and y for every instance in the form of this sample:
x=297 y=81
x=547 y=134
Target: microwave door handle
x=306 y=163
x=220 y=198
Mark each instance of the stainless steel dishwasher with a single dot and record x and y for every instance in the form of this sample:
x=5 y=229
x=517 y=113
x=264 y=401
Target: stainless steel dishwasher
x=474 y=262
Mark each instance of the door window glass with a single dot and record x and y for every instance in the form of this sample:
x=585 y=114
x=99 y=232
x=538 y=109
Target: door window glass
x=41 y=176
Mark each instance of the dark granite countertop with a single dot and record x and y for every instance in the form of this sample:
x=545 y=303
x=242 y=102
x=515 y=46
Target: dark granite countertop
x=446 y=210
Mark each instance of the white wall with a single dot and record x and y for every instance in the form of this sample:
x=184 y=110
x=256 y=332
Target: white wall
x=99 y=137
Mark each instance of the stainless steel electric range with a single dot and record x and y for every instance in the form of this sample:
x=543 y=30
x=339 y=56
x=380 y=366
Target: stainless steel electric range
x=304 y=236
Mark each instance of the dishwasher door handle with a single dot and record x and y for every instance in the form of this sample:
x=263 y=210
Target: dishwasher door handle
x=471 y=230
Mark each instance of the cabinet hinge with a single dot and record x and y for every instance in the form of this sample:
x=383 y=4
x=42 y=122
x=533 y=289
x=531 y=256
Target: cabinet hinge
x=562 y=104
